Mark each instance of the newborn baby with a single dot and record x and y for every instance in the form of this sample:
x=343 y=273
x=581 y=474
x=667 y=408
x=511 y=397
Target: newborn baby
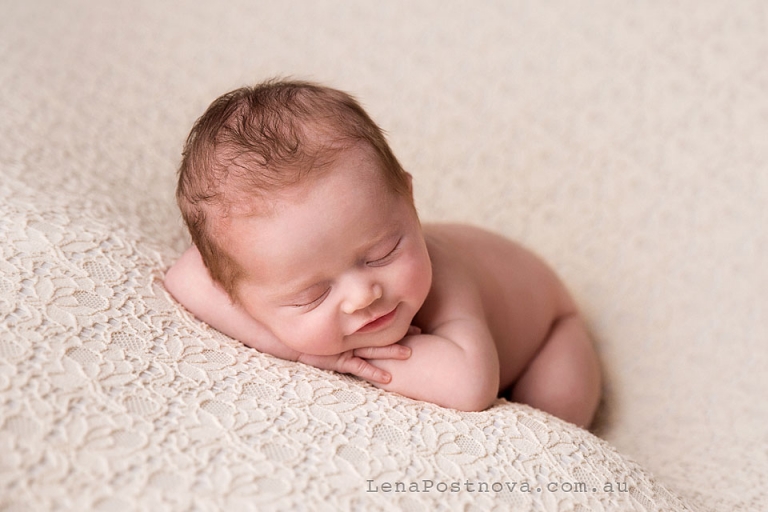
x=308 y=246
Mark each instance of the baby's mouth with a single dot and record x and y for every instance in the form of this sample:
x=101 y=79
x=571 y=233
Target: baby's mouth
x=379 y=322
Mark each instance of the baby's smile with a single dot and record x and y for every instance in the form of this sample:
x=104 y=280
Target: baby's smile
x=379 y=322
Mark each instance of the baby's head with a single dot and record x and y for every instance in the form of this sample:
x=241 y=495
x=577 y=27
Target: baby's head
x=302 y=213
x=253 y=142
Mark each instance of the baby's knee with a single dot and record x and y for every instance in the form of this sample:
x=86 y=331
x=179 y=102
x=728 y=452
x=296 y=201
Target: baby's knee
x=571 y=393
x=576 y=404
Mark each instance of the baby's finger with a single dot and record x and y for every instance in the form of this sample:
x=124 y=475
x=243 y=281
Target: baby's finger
x=365 y=370
x=413 y=330
x=394 y=351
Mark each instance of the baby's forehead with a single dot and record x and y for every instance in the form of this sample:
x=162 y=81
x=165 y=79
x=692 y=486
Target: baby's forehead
x=241 y=196
x=238 y=203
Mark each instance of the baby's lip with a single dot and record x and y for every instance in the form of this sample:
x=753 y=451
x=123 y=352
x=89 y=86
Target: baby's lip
x=378 y=321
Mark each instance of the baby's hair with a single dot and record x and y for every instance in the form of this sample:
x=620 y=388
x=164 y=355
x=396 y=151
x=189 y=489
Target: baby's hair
x=257 y=140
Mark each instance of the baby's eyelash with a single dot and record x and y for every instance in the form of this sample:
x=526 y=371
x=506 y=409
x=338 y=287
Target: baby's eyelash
x=389 y=254
x=312 y=302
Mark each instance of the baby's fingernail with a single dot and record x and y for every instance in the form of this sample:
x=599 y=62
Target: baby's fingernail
x=406 y=351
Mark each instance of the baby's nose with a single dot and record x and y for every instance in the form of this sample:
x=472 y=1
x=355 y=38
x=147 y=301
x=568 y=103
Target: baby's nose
x=362 y=296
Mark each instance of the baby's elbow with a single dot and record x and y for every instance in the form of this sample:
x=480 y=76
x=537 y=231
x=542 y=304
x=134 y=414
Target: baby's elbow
x=174 y=282
x=186 y=276
x=471 y=404
x=473 y=396
x=171 y=281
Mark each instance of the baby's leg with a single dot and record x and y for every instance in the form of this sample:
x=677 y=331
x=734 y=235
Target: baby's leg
x=563 y=378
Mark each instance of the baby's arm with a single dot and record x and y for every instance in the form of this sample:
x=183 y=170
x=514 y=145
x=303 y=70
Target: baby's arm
x=454 y=366
x=190 y=283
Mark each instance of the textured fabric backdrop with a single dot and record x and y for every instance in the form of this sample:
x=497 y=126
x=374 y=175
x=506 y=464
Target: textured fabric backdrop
x=627 y=143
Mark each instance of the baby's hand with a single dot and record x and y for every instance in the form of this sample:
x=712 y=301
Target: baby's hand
x=355 y=362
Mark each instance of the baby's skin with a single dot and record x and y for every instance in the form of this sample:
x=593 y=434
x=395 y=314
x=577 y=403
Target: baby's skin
x=339 y=273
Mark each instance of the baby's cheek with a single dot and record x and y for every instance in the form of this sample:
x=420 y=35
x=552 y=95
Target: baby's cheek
x=416 y=277
x=315 y=337
x=290 y=333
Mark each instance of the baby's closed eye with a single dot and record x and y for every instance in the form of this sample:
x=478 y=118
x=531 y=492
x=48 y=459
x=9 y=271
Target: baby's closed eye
x=307 y=303
x=386 y=258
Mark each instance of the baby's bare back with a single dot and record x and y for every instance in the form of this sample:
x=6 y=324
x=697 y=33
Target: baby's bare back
x=521 y=296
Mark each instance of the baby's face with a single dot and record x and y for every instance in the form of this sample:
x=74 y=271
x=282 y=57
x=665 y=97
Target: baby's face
x=339 y=263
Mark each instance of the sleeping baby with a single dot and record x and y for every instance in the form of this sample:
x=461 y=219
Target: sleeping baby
x=307 y=246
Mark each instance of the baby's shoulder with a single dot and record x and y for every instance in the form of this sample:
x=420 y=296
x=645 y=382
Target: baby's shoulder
x=459 y=255
x=468 y=256
x=448 y=244
x=498 y=270
x=456 y=290
x=466 y=242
